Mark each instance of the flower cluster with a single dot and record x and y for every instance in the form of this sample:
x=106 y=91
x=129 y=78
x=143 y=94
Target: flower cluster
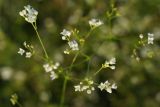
x=86 y=85
x=28 y=51
x=73 y=44
x=29 y=14
x=95 y=22
x=141 y=48
x=50 y=68
x=107 y=86
x=111 y=63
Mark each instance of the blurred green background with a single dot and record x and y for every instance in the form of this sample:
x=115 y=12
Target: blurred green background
x=138 y=82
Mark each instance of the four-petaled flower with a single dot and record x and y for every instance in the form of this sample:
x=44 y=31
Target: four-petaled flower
x=21 y=51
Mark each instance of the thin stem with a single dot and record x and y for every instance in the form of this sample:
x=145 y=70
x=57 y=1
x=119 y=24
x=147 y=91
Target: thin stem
x=98 y=71
x=74 y=59
x=87 y=59
x=65 y=81
x=89 y=33
x=35 y=28
x=63 y=92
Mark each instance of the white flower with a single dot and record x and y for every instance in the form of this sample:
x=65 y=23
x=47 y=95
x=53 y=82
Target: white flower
x=107 y=86
x=111 y=63
x=53 y=75
x=95 y=22
x=29 y=13
x=101 y=86
x=47 y=67
x=66 y=34
x=73 y=45
x=150 y=38
x=56 y=65
x=21 y=51
x=77 y=88
x=28 y=54
x=141 y=36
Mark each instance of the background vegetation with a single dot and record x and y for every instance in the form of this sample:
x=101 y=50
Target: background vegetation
x=138 y=82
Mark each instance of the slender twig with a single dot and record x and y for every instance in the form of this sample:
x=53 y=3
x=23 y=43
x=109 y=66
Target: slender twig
x=63 y=92
x=35 y=28
x=89 y=33
x=98 y=71
x=65 y=81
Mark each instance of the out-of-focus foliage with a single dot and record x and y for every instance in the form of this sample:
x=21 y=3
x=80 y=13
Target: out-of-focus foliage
x=138 y=82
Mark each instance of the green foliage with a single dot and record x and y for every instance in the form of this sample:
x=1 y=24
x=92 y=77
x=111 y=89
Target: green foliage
x=138 y=82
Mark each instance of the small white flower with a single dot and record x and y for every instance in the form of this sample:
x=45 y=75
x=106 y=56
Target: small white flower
x=107 y=86
x=111 y=63
x=29 y=13
x=150 y=38
x=109 y=89
x=73 y=45
x=95 y=22
x=66 y=34
x=77 y=88
x=21 y=51
x=141 y=36
x=56 y=65
x=28 y=54
x=53 y=75
x=47 y=67
x=101 y=86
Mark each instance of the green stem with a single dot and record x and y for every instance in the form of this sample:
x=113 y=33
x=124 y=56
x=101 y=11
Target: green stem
x=98 y=71
x=65 y=81
x=74 y=59
x=89 y=33
x=35 y=28
x=63 y=92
